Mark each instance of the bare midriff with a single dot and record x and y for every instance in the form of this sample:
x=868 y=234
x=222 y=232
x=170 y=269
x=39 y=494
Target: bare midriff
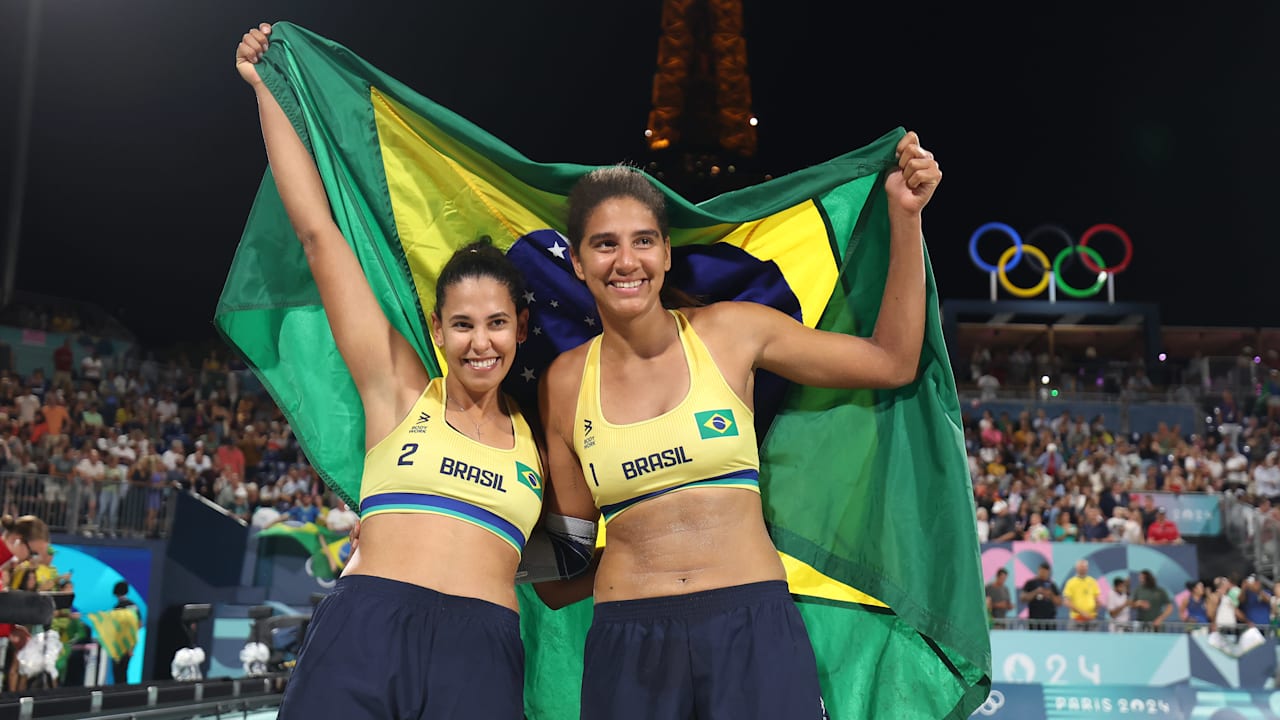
x=684 y=542
x=441 y=553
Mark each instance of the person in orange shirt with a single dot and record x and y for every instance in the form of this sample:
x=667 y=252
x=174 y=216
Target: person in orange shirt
x=56 y=415
x=1081 y=596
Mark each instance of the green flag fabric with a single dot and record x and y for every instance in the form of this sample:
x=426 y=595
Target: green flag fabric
x=866 y=493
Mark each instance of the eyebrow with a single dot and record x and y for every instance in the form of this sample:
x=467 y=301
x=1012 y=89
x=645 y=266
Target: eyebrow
x=463 y=316
x=652 y=232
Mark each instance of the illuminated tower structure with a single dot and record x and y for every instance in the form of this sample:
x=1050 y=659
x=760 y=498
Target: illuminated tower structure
x=701 y=132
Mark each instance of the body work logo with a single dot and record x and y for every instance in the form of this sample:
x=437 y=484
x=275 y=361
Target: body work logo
x=421 y=425
x=715 y=423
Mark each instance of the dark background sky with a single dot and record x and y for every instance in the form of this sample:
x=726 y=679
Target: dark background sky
x=145 y=150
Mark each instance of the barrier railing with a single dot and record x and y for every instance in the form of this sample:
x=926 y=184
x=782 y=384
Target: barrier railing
x=72 y=505
x=1105 y=624
x=1254 y=533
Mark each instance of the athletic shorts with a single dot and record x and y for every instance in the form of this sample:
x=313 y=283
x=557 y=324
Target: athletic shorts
x=379 y=648
x=734 y=653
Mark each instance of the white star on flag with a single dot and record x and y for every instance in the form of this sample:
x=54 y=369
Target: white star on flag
x=528 y=296
x=527 y=375
x=558 y=250
x=589 y=321
x=537 y=329
x=555 y=303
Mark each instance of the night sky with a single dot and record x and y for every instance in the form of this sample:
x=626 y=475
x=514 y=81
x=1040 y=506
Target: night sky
x=145 y=150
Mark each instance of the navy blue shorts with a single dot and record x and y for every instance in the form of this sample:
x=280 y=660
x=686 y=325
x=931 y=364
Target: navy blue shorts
x=740 y=652
x=379 y=648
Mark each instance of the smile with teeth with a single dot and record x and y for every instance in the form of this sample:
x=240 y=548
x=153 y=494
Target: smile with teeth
x=627 y=284
x=478 y=364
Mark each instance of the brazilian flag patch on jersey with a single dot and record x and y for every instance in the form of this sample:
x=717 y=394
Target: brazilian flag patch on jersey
x=715 y=423
x=529 y=477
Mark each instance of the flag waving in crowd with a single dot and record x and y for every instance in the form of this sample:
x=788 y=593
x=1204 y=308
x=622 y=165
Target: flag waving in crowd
x=866 y=493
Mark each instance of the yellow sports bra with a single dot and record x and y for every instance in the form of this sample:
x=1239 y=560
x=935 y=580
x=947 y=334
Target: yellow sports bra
x=708 y=440
x=425 y=466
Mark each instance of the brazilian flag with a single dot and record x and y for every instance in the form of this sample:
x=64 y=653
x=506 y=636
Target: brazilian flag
x=117 y=631
x=866 y=493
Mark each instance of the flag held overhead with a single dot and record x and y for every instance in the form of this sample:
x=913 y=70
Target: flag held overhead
x=866 y=493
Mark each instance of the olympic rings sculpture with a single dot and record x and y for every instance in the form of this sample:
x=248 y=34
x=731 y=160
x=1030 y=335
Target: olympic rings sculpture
x=1089 y=257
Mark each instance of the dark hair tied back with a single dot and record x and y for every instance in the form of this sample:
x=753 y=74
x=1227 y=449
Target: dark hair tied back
x=476 y=260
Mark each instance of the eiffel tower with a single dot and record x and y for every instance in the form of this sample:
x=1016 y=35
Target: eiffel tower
x=701 y=132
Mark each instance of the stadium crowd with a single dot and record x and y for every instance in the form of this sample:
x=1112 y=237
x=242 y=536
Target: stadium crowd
x=100 y=444
x=1047 y=476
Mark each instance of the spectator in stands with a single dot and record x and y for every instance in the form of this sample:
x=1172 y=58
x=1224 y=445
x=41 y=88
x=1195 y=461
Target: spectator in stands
x=90 y=472
x=1227 y=414
x=167 y=408
x=198 y=461
x=1117 y=496
x=1149 y=512
x=1271 y=389
x=1138 y=386
x=158 y=482
x=38 y=384
x=63 y=362
x=1037 y=531
x=1236 y=466
x=988 y=386
x=1255 y=604
x=1194 y=608
x=984 y=527
x=1223 y=608
x=57 y=416
x=91 y=417
x=1003 y=526
x=115 y=485
x=252 y=444
x=268 y=494
x=1094 y=528
x=91 y=367
x=27 y=404
x=1065 y=530
x=1051 y=462
x=1124 y=528
x=175 y=456
x=123 y=451
x=1081 y=594
x=999 y=601
x=1163 y=531
x=1042 y=599
x=1120 y=605
x=304 y=509
x=1016 y=499
x=1151 y=601
x=1266 y=477
x=229 y=456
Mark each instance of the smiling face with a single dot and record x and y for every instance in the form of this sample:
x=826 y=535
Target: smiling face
x=478 y=329
x=623 y=257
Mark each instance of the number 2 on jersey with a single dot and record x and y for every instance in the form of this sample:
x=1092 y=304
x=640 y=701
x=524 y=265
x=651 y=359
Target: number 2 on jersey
x=407 y=450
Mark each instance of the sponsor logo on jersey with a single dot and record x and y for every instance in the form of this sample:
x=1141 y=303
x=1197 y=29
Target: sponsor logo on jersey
x=715 y=423
x=588 y=442
x=421 y=425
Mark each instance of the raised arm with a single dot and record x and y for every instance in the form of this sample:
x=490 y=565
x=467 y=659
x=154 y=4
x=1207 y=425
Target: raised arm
x=891 y=356
x=379 y=358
